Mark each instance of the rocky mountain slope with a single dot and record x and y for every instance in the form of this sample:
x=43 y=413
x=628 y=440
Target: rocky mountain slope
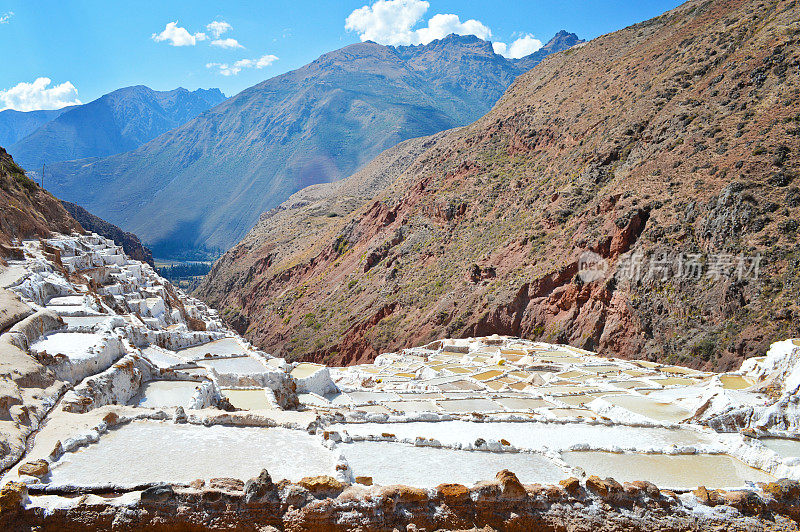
x=313 y=125
x=668 y=148
x=26 y=210
x=130 y=243
x=116 y=122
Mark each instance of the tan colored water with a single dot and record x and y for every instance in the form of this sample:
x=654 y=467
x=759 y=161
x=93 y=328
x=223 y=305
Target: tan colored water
x=735 y=382
x=304 y=370
x=247 y=399
x=666 y=471
x=650 y=408
x=486 y=375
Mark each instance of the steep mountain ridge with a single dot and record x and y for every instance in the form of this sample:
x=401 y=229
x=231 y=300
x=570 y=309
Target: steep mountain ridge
x=116 y=122
x=672 y=138
x=316 y=124
x=27 y=210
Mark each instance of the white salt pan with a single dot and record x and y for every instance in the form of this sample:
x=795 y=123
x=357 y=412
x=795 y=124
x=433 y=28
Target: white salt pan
x=146 y=451
x=238 y=365
x=165 y=394
x=396 y=463
x=73 y=345
x=536 y=435
x=222 y=347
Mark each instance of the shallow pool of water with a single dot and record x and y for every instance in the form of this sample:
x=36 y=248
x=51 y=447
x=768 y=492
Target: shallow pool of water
x=397 y=463
x=735 y=382
x=535 y=435
x=411 y=406
x=459 y=386
x=650 y=408
x=248 y=399
x=305 y=370
x=666 y=471
x=359 y=397
x=161 y=357
x=237 y=365
x=147 y=451
x=221 y=347
x=521 y=403
x=85 y=321
x=469 y=405
x=784 y=447
x=165 y=394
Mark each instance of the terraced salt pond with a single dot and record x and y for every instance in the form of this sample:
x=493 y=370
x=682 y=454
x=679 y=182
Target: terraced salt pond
x=536 y=435
x=668 y=471
x=165 y=394
x=785 y=447
x=397 y=463
x=148 y=451
x=242 y=365
x=659 y=411
x=74 y=345
x=86 y=321
x=244 y=399
x=221 y=347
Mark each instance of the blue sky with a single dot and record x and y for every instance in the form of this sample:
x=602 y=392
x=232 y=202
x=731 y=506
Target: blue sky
x=98 y=46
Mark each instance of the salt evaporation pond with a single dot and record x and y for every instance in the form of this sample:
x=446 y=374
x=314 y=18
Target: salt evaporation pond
x=222 y=347
x=165 y=394
x=425 y=467
x=785 y=447
x=659 y=411
x=686 y=471
x=160 y=357
x=244 y=399
x=74 y=345
x=238 y=365
x=86 y=321
x=535 y=435
x=148 y=451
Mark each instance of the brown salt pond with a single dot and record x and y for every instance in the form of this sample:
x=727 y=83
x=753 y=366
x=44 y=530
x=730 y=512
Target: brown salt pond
x=668 y=471
x=735 y=382
x=650 y=408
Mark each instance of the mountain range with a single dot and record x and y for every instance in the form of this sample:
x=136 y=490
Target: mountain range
x=15 y=125
x=666 y=153
x=316 y=124
x=116 y=122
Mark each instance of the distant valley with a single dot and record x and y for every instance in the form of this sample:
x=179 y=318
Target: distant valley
x=316 y=124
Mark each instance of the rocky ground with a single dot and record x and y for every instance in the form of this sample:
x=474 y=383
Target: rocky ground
x=668 y=143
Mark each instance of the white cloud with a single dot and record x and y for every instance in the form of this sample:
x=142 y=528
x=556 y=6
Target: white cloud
x=5 y=18
x=525 y=45
x=440 y=26
x=37 y=95
x=178 y=36
x=218 y=27
x=392 y=22
x=266 y=60
x=227 y=69
x=226 y=43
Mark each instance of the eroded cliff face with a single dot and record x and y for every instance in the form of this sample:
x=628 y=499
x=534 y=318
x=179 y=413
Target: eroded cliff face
x=27 y=210
x=674 y=139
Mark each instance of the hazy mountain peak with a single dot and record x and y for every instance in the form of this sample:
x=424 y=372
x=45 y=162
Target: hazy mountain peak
x=115 y=122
